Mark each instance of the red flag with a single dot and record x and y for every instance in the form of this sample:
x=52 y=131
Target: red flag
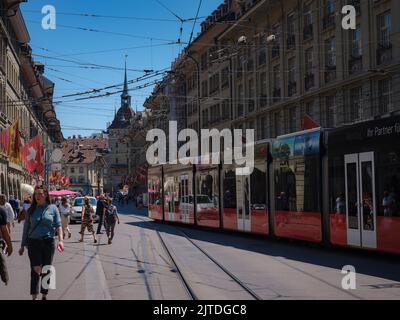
x=5 y=140
x=15 y=143
x=66 y=182
x=309 y=123
x=32 y=155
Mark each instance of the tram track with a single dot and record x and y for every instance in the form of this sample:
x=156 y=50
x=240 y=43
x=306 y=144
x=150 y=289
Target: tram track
x=245 y=287
x=184 y=279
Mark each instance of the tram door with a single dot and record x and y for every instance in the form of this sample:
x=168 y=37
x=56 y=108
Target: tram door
x=185 y=198
x=170 y=198
x=360 y=200
x=243 y=202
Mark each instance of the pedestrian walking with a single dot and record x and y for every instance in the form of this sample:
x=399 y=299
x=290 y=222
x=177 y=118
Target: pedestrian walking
x=5 y=246
x=40 y=227
x=17 y=208
x=100 y=213
x=65 y=212
x=12 y=202
x=9 y=211
x=87 y=220
x=110 y=219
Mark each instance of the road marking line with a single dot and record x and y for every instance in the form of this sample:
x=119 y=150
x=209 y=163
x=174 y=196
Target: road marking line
x=95 y=279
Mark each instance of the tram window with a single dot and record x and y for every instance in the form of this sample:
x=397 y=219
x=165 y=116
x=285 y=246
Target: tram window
x=387 y=176
x=311 y=185
x=154 y=191
x=229 y=189
x=258 y=182
x=337 y=200
x=297 y=185
x=206 y=187
x=368 y=202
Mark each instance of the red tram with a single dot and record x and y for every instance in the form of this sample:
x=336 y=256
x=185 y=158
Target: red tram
x=339 y=187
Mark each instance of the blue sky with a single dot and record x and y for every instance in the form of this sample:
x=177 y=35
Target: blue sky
x=68 y=43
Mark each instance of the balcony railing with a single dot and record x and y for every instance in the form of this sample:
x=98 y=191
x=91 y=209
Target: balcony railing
x=384 y=53
x=292 y=88
x=355 y=64
x=308 y=31
x=291 y=41
x=309 y=81
x=329 y=21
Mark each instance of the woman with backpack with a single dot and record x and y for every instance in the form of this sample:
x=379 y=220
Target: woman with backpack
x=65 y=212
x=41 y=225
x=87 y=220
x=110 y=218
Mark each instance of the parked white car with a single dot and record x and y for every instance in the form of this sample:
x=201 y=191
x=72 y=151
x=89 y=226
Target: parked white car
x=76 y=215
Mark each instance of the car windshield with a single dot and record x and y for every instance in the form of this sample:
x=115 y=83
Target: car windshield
x=203 y=199
x=81 y=201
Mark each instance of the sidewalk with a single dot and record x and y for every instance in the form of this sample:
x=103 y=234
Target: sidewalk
x=131 y=209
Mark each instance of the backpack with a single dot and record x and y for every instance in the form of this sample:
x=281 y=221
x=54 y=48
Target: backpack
x=110 y=216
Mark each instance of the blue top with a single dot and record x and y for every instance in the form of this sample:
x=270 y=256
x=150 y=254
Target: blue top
x=46 y=228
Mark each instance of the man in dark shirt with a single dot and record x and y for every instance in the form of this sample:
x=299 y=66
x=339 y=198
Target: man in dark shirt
x=4 y=240
x=99 y=212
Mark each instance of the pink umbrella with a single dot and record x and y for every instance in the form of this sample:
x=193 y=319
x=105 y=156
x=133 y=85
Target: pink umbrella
x=61 y=193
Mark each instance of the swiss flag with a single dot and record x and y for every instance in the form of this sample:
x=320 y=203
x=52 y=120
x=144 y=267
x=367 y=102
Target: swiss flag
x=32 y=155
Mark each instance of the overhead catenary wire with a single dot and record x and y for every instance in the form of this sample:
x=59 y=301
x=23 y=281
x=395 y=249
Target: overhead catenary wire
x=120 y=49
x=139 y=79
x=95 y=15
x=194 y=22
x=104 y=31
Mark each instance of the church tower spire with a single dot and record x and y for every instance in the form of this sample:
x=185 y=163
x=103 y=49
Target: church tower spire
x=125 y=97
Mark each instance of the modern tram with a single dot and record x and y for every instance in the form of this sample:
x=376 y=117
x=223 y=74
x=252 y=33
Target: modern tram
x=339 y=187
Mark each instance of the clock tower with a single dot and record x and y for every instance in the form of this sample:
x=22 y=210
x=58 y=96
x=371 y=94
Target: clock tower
x=125 y=97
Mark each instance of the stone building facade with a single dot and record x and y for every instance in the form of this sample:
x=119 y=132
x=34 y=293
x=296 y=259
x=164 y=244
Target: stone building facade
x=265 y=64
x=25 y=95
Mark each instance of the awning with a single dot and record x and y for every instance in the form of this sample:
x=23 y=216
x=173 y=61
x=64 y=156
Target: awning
x=61 y=193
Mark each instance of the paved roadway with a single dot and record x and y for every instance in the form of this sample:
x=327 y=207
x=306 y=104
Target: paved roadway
x=136 y=266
